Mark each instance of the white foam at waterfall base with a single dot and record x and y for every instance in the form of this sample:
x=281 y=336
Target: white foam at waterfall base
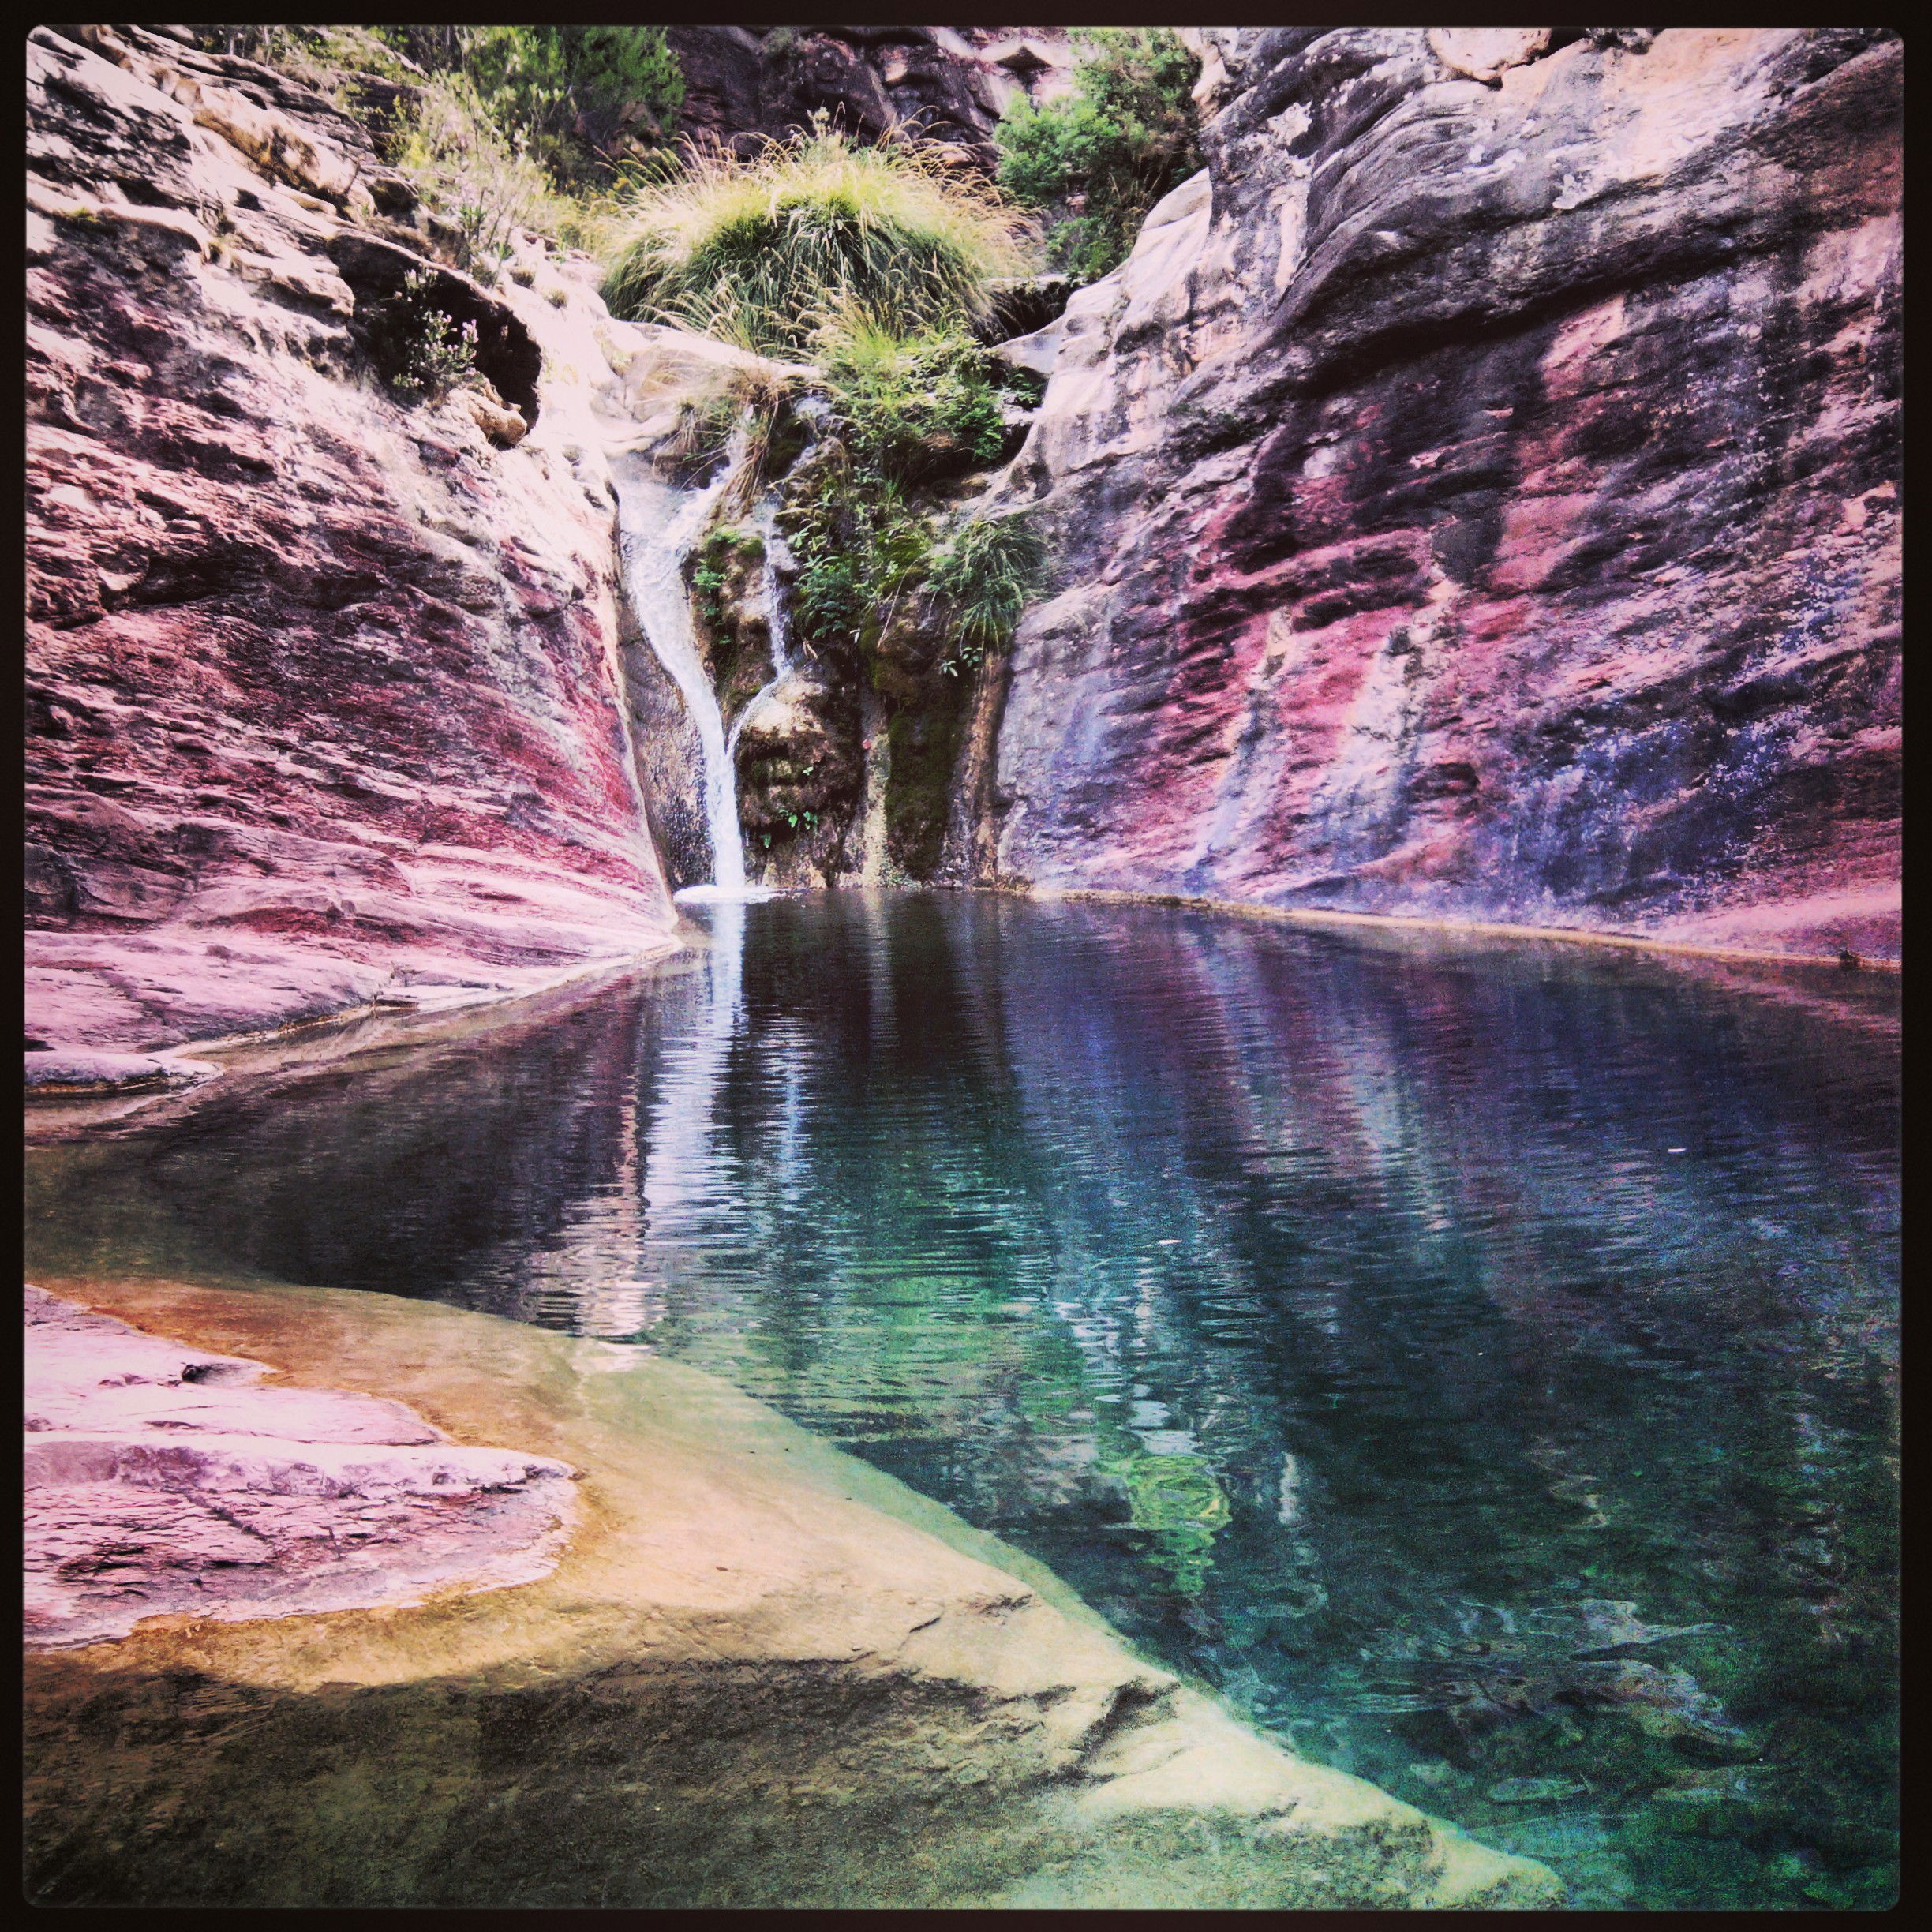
x=724 y=895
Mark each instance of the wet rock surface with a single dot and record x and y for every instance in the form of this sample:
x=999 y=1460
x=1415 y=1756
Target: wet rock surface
x=322 y=692
x=77 y=1072
x=161 y=1481
x=758 y=1674
x=1478 y=496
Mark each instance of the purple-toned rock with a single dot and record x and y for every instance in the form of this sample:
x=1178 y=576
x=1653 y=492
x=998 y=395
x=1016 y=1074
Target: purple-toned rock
x=1478 y=497
x=161 y=1481
x=75 y=1071
x=323 y=693
x=950 y=84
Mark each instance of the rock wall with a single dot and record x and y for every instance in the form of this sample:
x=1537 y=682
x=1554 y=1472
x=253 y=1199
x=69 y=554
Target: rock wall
x=1477 y=497
x=323 y=693
x=949 y=84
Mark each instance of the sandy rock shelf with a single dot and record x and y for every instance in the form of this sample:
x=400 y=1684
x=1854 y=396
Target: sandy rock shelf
x=755 y=1671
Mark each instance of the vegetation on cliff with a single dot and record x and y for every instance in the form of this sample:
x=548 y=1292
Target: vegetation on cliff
x=762 y=250
x=879 y=263
x=498 y=128
x=873 y=274
x=585 y=105
x=1096 y=160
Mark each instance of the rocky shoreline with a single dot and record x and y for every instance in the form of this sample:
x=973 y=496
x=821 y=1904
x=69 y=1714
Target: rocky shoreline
x=758 y=1671
x=164 y=1480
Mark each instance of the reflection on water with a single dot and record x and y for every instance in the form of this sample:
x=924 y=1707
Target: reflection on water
x=1478 y=1363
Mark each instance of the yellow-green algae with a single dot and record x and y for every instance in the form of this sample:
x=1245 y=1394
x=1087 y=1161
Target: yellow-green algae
x=763 y=1673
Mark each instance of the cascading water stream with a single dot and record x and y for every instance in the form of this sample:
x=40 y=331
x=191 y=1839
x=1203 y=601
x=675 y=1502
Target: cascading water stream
x=657 y=524
x=777 y=618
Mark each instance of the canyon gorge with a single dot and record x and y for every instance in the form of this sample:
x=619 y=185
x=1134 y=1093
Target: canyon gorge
x=1476 y=497
x=551 y=1013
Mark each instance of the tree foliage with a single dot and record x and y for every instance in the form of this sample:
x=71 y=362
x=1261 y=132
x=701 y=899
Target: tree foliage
x=1096 y=160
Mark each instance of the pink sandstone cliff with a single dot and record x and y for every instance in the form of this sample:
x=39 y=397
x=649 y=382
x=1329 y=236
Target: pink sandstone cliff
x=1477 y=497
x=323 y=695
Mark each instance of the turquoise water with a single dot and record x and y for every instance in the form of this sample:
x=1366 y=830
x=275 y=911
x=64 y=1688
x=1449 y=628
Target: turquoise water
x=1477 y=1362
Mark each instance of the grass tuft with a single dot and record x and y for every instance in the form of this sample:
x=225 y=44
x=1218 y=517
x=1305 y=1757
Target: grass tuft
x=763 y=251
x=985 y=577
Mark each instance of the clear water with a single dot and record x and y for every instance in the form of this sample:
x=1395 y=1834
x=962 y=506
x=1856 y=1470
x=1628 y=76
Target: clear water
x=1477 y=1362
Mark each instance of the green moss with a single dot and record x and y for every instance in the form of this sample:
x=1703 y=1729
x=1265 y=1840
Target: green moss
x=726 y=598
x=924 y=737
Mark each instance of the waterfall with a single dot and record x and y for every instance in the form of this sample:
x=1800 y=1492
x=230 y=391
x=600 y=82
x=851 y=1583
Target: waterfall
x=657 y=524
x=777 y=618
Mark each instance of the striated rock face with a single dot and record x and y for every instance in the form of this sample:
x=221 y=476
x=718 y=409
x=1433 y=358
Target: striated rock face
x=950 y=84
x=160 y=1481
x=323 y=693
x=1477 y=497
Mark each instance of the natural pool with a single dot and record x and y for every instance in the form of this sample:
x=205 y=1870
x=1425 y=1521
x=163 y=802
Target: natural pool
x=1477 y=1360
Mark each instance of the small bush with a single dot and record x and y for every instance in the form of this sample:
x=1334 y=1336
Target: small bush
x=911 y=407
x=418 y=346
x=761 y=251
x=1099 y=158
x=725 y=545
x=583 y=102
x=478 y=185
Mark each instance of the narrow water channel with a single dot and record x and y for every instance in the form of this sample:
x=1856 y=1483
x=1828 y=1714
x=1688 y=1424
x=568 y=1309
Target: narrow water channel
x=1477 y=1362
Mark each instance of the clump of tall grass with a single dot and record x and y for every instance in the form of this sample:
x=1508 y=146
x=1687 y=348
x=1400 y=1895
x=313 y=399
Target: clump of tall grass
x=759 y=250
x=909 y=406
x=984 y=578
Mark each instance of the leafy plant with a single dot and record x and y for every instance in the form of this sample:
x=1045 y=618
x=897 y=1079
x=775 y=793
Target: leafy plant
x=1097 y=159
x=910 y=406
x=986 y=575
x=711 y=573
x=582 y=102
x=762 y=250
x=417 y=345
x=477 y=182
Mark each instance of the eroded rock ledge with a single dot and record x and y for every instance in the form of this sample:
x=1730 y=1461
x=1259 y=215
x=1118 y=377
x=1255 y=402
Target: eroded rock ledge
x=162 y=1479
x=760 y=1673
x=323 y=694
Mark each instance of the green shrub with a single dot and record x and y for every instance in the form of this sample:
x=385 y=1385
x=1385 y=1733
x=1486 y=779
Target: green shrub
x=1100 y=158
x=905 y=412
x=911 y=407
x=761 y=251
x=724 y=546
x=479 y=186
x=416 y=346
x=582 y=102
